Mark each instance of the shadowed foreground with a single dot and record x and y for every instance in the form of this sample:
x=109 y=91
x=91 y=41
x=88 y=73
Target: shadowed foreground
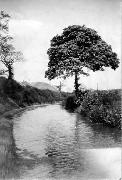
x=8 y=157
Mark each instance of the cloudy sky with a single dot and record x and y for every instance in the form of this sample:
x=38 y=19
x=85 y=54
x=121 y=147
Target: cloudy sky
x=35 y=22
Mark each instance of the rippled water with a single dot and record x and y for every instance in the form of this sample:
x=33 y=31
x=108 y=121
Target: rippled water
x=55 y=144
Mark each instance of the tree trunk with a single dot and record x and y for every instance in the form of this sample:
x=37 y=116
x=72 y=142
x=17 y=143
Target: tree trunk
x=10 y=72
x=76 y=85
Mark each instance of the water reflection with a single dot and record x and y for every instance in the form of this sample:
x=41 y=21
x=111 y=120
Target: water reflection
x=70 y=160
x=62 y=152
x=56 y=144
x=92 y=135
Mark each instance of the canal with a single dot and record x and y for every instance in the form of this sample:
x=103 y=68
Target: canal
x=52 y=143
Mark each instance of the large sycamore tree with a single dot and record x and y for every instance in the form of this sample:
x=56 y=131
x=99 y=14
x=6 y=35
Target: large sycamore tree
x=8 y=53
x=76 y=49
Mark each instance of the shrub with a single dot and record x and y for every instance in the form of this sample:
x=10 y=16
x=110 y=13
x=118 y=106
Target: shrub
x=70 y=103
x=103 y=107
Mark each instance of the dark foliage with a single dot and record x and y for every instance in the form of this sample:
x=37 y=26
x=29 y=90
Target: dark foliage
x=103 y=107
x=70 y=103
x=99 y=106
x=27 y=95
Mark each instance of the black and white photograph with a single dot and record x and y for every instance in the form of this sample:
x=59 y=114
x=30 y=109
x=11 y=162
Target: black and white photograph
x=60 y=89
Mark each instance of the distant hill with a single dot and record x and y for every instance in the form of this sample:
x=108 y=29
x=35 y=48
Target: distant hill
x=40 y=85
x=43 y=85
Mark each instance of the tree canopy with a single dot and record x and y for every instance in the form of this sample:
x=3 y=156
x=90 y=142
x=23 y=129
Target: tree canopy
x=78 y=47
x=8 y=53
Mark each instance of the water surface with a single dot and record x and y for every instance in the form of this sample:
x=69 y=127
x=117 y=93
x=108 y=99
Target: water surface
x=55 y=144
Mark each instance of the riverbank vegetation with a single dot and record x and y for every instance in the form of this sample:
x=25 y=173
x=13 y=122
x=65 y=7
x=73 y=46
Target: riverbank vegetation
x=13 y=95
x=99 y=106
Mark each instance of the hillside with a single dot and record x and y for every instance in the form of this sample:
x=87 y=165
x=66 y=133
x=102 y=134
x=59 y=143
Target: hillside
x=40 y=85
x=43 y=85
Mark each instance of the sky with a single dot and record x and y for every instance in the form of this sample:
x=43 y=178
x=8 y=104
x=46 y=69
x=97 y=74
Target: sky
x=34 y=23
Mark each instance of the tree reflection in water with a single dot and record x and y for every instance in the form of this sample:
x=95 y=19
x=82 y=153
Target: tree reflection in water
x=78 y=153
x=91 y=135
x=64 y=157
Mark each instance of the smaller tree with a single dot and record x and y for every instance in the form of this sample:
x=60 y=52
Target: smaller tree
x=8 y=53
x=8 y=57
x=60 y=86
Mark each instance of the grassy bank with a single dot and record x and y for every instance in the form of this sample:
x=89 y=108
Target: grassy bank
x=13 y=95
x=8 y=163
x=99 y=106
